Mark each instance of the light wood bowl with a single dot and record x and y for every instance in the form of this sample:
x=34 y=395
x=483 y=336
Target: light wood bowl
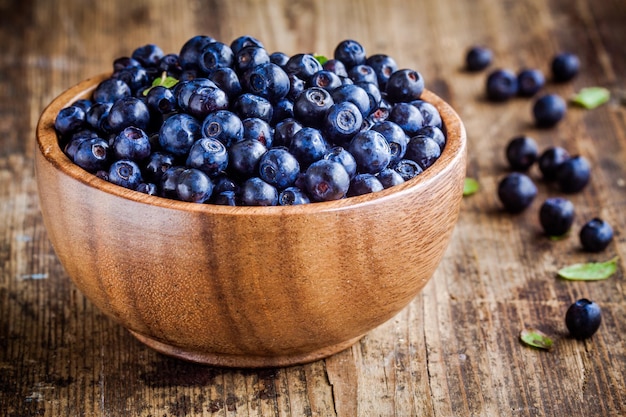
x=247 y=286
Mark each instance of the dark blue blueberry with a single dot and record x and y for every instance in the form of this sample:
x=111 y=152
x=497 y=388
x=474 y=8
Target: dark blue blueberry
x=170 y=64
x=283 y=109
x=548 y=110
x=145 y=187
x=157 y=164
x=258 y=129
x=131 y=143
x=345 y=158
x=284 y=131
x=354 y=94
x=228 y=81
x=478 y=58
x=162 y=100
x=249 y=57
x=556 y=216
x=92 y=154
x=389 y=177
x=244 y=158
x=501 y=85
x=350 y=52
x=373 y=93
x=408 y=117
x=311 y=106
x=268 y=81
x=279 y=168
x=407 y=169
x=370 y=151
x=111 y=90
x=522 y=152
x=423 y=150
x=550 y=160
x=326 y=180
x=184 y=90
x=76 y=139
x=573 y=174
x=206 y=100
x=583 y=318
x=243 y=41
x=137 y=78
x=209 y=156
x=225 y=198
x=256 y=192
x=596 y=235
x=148 y=55
x=379 y=115
x=83 y=103
x=178 y=133
x=169 y=182
x=363 y=73
x=128 y=111
x=125 y=173
x=395 y=136
x=404 y=85
x=292 y=196
x=194 y=186
x=215 y=55
x=303 y=66
x=325 y=79
x=69 y=120
x=565 y=66
x=435 y=134
x=224 y=126
x=516 y=192
x=296 y=87
x=336 y=67
x=529 y=82
x=308 y=145
x=364 y=184
x=429 y=112
x=341 y=122
x=279 y=58
x=124 y=62
x=383 y=66
x=189 y=54
x=250 y=105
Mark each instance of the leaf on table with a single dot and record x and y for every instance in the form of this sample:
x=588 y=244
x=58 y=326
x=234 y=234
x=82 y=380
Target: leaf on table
x=536 y=338
x=591 y=97
x=470 y=186
x=591 y=271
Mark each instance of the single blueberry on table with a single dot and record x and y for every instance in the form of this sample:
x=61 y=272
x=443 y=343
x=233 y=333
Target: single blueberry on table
x=364 y=184
x=326 y=180
x=516 y=192
x=193 y=186
x=550 y=159
x=131 y=143
x=279 y=168
x=573 y=174
x=223 y=125
x=596 y=235
x=292 y=196
x=178 y=133
x=350 y=52
x=250 y=105
x=564 y=66
x=478 y=58
x=583 y=318
x=548 y=110
x=256 y=192
x=529 y=82
x=209 y=156
x=556 y=216
x=521 y=152
x=404 y=85
x=371 y=151
x=125 y=173
x=501 y=85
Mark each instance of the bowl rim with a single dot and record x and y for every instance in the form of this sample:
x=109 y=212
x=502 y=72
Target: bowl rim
x=49 y=148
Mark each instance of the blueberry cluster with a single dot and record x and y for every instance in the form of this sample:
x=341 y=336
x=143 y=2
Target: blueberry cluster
x=236 y=125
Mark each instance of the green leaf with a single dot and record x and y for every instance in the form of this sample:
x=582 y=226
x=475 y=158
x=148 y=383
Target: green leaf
x=591 y=97
x=164 y=80
x=536 y=338
x=591 y=271
x=470 y=186
x=321 y=59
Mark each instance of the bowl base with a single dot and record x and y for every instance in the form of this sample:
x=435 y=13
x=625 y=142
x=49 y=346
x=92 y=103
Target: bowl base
x=241 y=361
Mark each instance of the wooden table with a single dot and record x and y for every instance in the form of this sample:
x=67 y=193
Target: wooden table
x=455 y=350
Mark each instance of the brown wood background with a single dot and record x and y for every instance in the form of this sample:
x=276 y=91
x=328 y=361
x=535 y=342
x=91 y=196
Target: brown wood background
x=454 y=351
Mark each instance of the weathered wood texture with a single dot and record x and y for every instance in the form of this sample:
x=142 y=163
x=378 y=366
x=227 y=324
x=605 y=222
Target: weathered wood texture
x=454 y=351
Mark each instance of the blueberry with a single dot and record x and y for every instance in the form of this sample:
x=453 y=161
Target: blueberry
x=128 y=111
x=395 y=136
x=501 y=85
x=529 y=82
x=208 y=155
x=548 y=110
x=225 y=198
x=279 y=168
x=146 y=188
x=325 y=79
x=178 y=133
x=268 y=81
x=311 y=106
x=228 y=81
x=389 y=177
x=111 y=90
x=284 y=131
x=379 y=114
x=215 y=55
x=169 y=182
x=573 y=174
x=283 y=109
x=157 y=164
x=170 y=64
x=279 y=58
x=516 y=192
x=550 y=160
x=404 y=85
x=430 y=114
x=224 y=126
x=408 y=117
x=596 y=235
x=69 y=119
x=125 y=173
x=407 y=169
x=303 y=66
x=341 y=122
x=423 y=150
x=257 y=129
x=564 y=66
x=256 y=192
x=243 y=41
x=308 y=145
x=326 y=180
x=345 y=158
x=223 y=183
x=350 y=52
x=336 y=67
x=583 y=318
x=206 y=100
x=373 y=93
x=363 y=73
x=521 y=152
x=250 y=105
x=249 y=57
x=383 y=66
x=354 y=94
x=364 y=184
x=434 y=133
x=83 y=103
x=370 y=151
x=92 y=154
x=148 y=55
x=292 y=196
x=296 y=87
x=193 y=186
x=244 y=157
x=478 y=58
x=124 y=62
x=162 y=100
x=76 y=139
x=137 y=78
x=131 y=143
x=556 y=216
x=183 y=90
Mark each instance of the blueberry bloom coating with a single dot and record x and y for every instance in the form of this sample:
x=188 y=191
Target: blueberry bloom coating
x=208 y=155
x=125 y=173
x=516 y=192
x=194 y=186
x=564 y=66
x=556 y=216
x=583 y=318
x=573 y=174
x=596 y=235
x=478 y=58
x=326 y=180
x=521 y=152
x=178 y=133
x=501 y=85
x=548 y=110
x=371 y=151
x=256 y=192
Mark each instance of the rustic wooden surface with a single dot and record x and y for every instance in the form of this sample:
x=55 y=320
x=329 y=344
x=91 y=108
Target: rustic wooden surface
x=454 y=351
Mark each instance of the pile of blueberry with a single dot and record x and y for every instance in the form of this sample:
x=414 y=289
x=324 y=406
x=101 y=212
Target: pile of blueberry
x=236 y=125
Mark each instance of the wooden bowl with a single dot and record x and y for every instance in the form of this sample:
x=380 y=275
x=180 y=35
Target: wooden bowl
x=247 y=286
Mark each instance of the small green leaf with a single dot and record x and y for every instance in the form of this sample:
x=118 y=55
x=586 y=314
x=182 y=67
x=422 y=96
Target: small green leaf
x=164 y=80
x=536 y=338
x=470 y=186
x=591 y=97
x=560 y=237
x=321 y=59
x=591 y=271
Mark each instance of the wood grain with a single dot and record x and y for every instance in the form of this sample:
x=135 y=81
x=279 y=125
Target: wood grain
x=454 y=350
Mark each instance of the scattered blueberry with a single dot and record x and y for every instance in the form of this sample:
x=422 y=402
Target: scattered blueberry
x=522 y=152
x=501 y=85
x=573 y=174
x=529 y=82
x=478 y=58
x=548 y=110
x=596 y=235
x=583 y=318
x=516 y=192
x=556 y=216
x=565 y=66
x=550 y=160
